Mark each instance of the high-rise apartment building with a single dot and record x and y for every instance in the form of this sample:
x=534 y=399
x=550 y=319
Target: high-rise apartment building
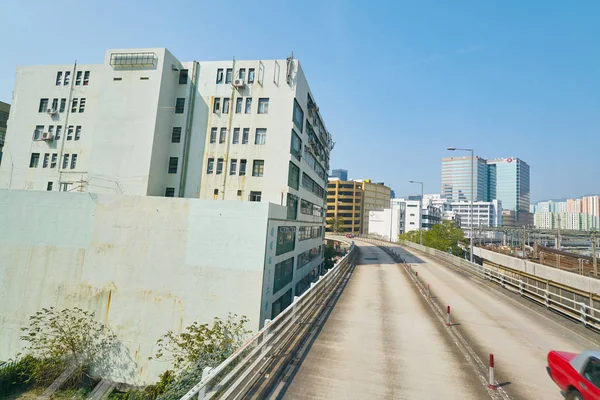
x=456 y=179
x=144 y=123
x=341 y=174
x=509 y=183
x=345 y=200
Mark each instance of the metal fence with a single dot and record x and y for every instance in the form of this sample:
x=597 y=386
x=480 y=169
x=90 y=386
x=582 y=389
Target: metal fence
x=568 y=301
x=259 y=364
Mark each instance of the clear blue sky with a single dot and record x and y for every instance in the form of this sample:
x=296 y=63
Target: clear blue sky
x=397 y=82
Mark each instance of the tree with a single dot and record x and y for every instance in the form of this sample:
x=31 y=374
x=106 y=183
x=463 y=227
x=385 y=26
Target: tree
x=444 y=237
x=57 y=338
x=336 y=224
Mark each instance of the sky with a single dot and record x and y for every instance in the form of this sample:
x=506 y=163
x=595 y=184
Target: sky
x=397 y=82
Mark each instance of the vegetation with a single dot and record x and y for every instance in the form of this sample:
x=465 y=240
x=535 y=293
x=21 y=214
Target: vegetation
x=336 y=224
x=444 y=237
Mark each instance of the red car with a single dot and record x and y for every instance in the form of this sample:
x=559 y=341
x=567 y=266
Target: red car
x=577 y=375
x=349 y=235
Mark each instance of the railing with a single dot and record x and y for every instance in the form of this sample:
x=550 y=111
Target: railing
x=569 y=301
x=259 y=364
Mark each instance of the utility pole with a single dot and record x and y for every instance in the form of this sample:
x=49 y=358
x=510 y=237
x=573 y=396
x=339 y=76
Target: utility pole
x=595 y=261
x=524 y=241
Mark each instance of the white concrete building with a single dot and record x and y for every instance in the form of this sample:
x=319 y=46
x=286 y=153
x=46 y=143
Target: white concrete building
x=412 y=215
x=389 y=222
x=485 y=214
x=143 y=123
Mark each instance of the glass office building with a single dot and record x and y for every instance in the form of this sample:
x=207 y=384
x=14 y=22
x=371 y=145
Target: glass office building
x=509 y=183
x=456 y=179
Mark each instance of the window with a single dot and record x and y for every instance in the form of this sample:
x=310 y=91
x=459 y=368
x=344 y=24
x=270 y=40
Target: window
x=73 y=161
x=173 y=161
x=233 y=167
x=170 y=192
x=222 y=135
x=210 y=167
x=228 y=75
x=276 y=72
x=255 y=196
x=298 y=116
x=238 y=105
x=309 y=255
x=248 y=108
x=58 y=78
x=242 y=73
x=281 y=303
x=245 y=135
x=180 y=105
x=592 y=371
x=117 y=79
x=86 y=78
x=176 y=134
x=183 y=77
x=236 y=136
x=292 y=206
x=213 y=135
x=70 y=132
x=284 y=272
x=251 y=75
x=53 y=160
x=296 y=146
x=65 y=163
x=239 y=192
x=74 y=106
x=43 y=105
x=263 y=106
x=37 y=133
x=67 y=76
x=258 y=168
x=286 y=239
x=219 y=166
x=217 y=105
x=294 y=176
x=46 y=160
x=220 y=75
x=55 y=104
x=216 y=193
x=49 y=186
x=82 y=105
x=309 y=184
x=261 y=136
x=226 y=105
x=261 y=73
x=63 y=105
x=242 y=167
x=78 y=78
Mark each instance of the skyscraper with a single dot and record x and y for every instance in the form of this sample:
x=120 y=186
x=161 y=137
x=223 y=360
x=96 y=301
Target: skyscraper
x=456 y=179
x=342 y=174
x=509 y=183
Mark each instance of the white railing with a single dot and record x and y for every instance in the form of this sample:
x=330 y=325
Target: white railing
x=569 y=301
x=244 y=370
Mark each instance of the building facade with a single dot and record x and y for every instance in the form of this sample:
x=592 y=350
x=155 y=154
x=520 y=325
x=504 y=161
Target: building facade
x=566 y=220
x=4 y=112
x=144 y=123
x=376 y=197
x=389 y=223
x=485 y=214
x=345 y=200
x=341 y=174
x=456 y=179
x=509 y=183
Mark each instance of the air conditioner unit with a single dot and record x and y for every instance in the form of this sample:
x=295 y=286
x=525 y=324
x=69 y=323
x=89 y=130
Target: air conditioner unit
x=238 y=83
x=52 y=111
x=47 y=136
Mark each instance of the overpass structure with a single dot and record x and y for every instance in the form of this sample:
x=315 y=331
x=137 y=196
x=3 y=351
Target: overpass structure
x=377 y=326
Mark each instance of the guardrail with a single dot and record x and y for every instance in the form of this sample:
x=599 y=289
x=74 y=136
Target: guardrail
x=256 y=366
x=569 y=301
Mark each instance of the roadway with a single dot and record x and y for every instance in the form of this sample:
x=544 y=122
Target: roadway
x=382 y=340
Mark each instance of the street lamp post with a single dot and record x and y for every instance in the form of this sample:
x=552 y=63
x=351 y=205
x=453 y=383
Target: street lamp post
x=420 y=214
x=472 y=192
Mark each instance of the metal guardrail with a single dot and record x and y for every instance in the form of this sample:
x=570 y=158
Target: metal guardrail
x=569 y=301
x=255 y=366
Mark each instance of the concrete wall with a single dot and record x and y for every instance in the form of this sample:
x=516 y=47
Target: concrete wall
x=143 y=264
x=543 y=271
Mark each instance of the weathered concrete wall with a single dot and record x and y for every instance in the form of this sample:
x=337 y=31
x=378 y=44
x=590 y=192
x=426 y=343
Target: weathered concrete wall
x=543 y=271
x=143 y=264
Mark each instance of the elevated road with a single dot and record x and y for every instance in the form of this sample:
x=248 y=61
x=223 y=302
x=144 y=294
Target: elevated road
x=383 y=341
